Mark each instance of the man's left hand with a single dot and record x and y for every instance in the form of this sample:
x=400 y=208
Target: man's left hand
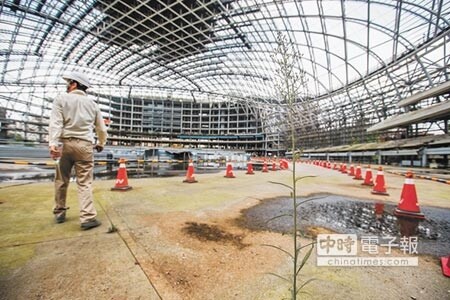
x=55 y=152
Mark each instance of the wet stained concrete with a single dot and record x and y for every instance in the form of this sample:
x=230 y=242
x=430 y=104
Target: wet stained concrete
x=206 y=232
x=46 y=173
x=350 y=215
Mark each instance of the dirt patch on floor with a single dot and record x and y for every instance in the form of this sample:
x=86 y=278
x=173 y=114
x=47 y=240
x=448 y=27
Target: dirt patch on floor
x=212 y=257
x=207 y=257
x=206 y=232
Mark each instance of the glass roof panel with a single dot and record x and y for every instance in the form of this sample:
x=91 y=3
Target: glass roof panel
x=355 y=53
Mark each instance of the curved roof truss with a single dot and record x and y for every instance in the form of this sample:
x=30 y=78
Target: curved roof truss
x=359 y=57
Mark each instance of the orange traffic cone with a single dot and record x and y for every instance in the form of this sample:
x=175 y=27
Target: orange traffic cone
x=122 y=178
x=358 y=175
x=368 y=178
x=265 y=169
x=229 y=171
x=409 y=204
x=274 y=166
x=445 y=262
x=284 y=164
x=250 y=169
x=380 y=186
x=190 y=173
x=352 y=170
x=344 y=169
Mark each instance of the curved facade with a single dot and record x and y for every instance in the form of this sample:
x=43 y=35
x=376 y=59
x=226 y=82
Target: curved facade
x=172 y=123
x=360 y=60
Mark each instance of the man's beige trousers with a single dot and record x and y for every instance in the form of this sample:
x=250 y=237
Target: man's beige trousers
x=77 y=154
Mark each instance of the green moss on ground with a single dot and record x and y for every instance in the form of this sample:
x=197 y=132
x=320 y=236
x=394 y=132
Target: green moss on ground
x=14 y=257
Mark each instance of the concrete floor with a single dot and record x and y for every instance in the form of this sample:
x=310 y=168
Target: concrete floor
x=43 y=260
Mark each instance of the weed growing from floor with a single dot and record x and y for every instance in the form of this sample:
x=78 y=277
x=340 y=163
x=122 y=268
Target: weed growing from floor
x=290 y=85
x=112 y=229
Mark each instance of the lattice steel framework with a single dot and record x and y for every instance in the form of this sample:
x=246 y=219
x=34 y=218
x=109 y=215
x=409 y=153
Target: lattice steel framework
x=360 y=57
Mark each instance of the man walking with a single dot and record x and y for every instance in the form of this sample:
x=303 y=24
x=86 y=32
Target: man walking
x=71 y=134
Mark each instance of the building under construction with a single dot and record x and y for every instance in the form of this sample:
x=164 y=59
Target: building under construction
x=195 y=195
x=373 y=76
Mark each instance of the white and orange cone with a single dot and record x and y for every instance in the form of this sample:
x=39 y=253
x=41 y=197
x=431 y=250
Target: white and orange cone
x=274 y=166
x=409 y=204
x=284 y=164
x=229 y=171
x=368 y=180
x=122 y=178
x=190 y=173
x=358 y=175
x=380 y=186
x=250 y=168
x=351 y=172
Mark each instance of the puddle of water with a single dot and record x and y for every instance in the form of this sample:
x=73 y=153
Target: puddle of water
x=106 y=173
x=155 y=170
x=350 y=215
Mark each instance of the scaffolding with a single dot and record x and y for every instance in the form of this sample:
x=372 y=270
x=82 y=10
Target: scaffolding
x=361 y=59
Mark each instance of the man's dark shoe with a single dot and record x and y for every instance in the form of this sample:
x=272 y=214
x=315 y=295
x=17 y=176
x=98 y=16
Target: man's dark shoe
x=60 y=214
x=60 y=219
x=90 y=224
